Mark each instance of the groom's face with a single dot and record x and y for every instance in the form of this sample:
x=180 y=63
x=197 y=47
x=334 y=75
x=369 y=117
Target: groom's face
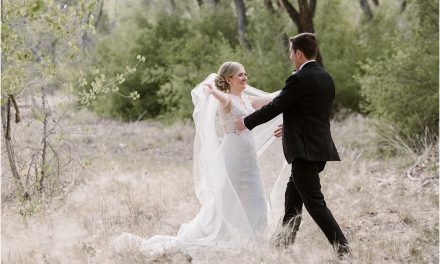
x=294 y=58
x=297 y=58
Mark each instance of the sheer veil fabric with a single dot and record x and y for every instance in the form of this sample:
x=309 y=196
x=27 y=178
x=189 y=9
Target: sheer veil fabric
x=222 y=222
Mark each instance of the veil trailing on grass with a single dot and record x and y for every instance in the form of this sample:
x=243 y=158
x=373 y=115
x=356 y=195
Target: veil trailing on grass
x=220 y=203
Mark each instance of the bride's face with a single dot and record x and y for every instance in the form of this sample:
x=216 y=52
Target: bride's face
x=239 y=79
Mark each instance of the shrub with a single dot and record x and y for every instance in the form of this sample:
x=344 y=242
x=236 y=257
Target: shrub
x=401 y=87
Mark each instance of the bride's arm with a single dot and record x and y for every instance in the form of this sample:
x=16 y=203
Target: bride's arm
x=259 y=101
x=224 y=99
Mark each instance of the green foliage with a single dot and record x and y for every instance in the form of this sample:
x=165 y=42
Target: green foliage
x=40 y=39
x=401 y=86
x=341 y=54
x=370 y=60
x=347 y=39
x=31 y=32
x=179 y=54
x=267 y=63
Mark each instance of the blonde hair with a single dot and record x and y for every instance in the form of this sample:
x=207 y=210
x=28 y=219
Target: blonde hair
x=226 y=71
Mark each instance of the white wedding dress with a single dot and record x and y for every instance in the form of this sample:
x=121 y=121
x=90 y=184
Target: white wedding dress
x=227 y=180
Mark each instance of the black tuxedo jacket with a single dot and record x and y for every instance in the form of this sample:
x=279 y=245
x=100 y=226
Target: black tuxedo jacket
x=305 y=102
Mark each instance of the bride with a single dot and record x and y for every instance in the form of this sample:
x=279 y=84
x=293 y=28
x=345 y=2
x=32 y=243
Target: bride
x=227 y=178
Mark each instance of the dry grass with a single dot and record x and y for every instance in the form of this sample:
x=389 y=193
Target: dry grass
x=137 y=178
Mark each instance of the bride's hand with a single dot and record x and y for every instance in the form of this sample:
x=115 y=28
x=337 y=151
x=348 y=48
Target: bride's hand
x=278 y=132
x=209 y=88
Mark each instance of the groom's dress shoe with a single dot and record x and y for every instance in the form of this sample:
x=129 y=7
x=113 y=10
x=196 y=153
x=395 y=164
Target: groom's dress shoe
x=343 y=252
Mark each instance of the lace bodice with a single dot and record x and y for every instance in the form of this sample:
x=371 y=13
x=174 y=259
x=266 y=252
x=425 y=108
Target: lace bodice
x=237 y=112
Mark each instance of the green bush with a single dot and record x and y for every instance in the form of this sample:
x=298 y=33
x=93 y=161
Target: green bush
x=380 y=66
x=337 y=37
x=401 y=87
x=180 y=52
x=267 y=63
x=347 y=39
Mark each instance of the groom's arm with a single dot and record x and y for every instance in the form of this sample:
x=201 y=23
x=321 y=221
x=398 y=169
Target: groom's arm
x=287 y=97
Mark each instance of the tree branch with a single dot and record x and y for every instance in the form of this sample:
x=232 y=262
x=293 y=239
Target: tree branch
x=303 y=7
x=6 y=119
x=293 y=13
x=17 y=111
x=43 y=154
x=312 y=7
x=101 y=7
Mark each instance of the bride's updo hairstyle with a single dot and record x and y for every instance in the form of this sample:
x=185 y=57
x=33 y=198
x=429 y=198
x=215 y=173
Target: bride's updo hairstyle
x=226 y=71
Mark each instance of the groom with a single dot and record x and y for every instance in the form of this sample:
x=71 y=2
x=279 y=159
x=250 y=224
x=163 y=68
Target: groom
x=305 y=102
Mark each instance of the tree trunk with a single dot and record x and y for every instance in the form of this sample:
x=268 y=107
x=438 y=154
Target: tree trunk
x=303 y=18
x=365 y=5
x=6 y=122
x=366 y=9
x=1 y=11
x=269 y=6
x=98 y=17
x=173 y=5
x=241 y=23
x=211 y=2
x=403 y=6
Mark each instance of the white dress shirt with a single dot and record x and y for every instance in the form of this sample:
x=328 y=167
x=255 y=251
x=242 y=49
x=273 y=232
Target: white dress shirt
x=300 y=67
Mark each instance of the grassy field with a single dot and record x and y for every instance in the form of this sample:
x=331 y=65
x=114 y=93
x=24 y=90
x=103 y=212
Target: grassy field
x=137 y=177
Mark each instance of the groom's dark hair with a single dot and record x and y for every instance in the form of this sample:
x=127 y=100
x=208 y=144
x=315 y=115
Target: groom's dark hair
x=305 y=42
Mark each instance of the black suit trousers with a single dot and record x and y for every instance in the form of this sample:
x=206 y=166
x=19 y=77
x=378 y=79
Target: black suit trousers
x=304 y=187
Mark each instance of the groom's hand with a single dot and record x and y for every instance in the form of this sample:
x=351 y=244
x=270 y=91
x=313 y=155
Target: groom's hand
x=239 y=125
x=278 y=132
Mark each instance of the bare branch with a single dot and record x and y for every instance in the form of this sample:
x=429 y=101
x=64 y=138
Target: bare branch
x=8 y=144
x=43 y=154
x=17 y=111
x=8 y=120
